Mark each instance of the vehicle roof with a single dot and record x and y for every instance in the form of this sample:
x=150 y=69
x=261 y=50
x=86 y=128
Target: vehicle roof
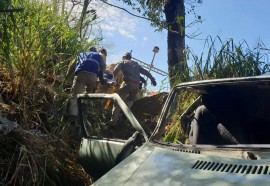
x=240 y=84
x=252 y=79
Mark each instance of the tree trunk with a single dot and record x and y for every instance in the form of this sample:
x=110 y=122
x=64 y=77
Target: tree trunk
x=83 y=14
x=175 y=17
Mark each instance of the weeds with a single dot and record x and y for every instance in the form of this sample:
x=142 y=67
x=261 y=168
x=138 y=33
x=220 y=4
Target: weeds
x=37 y=45
x=230 y=60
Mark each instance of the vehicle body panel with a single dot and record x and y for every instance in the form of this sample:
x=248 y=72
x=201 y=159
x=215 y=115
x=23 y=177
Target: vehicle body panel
x=153 y=165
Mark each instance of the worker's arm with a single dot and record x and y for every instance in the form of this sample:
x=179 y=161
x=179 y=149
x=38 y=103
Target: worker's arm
x=102 y=67
x=142 y=80
x=149 y=75
x=100 y=77
x=102 y=64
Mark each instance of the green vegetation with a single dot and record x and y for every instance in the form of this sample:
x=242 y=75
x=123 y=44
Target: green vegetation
x=36 y=46
x=230 y=60
x=174 y=132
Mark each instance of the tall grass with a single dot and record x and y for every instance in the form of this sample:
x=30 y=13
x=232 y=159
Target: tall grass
x=174 y=132
x=35 y=46
x=229 y=60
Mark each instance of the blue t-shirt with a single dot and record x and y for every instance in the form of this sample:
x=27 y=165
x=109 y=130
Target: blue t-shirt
x=89 y=62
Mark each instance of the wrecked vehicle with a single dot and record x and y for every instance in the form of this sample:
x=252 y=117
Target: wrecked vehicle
x=212 y=132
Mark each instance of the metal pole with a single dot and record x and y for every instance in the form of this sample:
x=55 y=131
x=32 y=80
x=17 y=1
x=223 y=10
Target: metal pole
x=151 y=65
x=155 y=50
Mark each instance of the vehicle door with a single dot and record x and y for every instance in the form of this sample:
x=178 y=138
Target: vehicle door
x=104 y=144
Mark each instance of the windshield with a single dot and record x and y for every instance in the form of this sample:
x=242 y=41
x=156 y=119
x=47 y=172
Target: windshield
x=229 y=114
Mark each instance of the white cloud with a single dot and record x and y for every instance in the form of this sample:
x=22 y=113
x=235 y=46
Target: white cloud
x=111 y=20
x=108 y=27
x=126 y=33
x=116 y=21
x=145 y=38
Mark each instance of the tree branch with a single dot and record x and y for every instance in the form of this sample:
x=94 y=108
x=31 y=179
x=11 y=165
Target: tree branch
x=125 y=10
x=160 y=25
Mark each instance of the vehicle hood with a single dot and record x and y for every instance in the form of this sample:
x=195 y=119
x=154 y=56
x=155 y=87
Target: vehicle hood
x=155 y=165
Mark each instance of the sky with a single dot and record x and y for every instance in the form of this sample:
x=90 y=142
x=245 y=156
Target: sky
x=240 y=20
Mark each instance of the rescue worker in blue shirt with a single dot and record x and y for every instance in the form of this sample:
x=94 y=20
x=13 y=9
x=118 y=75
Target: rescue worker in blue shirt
x=90 y=66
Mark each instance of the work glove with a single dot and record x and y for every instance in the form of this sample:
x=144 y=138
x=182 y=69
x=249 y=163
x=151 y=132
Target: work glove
x=153 y=82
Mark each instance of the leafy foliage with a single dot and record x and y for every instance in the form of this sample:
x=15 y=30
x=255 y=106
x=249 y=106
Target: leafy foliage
x=36 y=46
x=154 y=10
x=231 y=60
x=174 y=133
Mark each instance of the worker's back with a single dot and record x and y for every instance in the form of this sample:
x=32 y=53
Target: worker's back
x=130 y=70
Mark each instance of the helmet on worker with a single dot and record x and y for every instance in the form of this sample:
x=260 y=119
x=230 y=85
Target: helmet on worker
x=127 y=56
